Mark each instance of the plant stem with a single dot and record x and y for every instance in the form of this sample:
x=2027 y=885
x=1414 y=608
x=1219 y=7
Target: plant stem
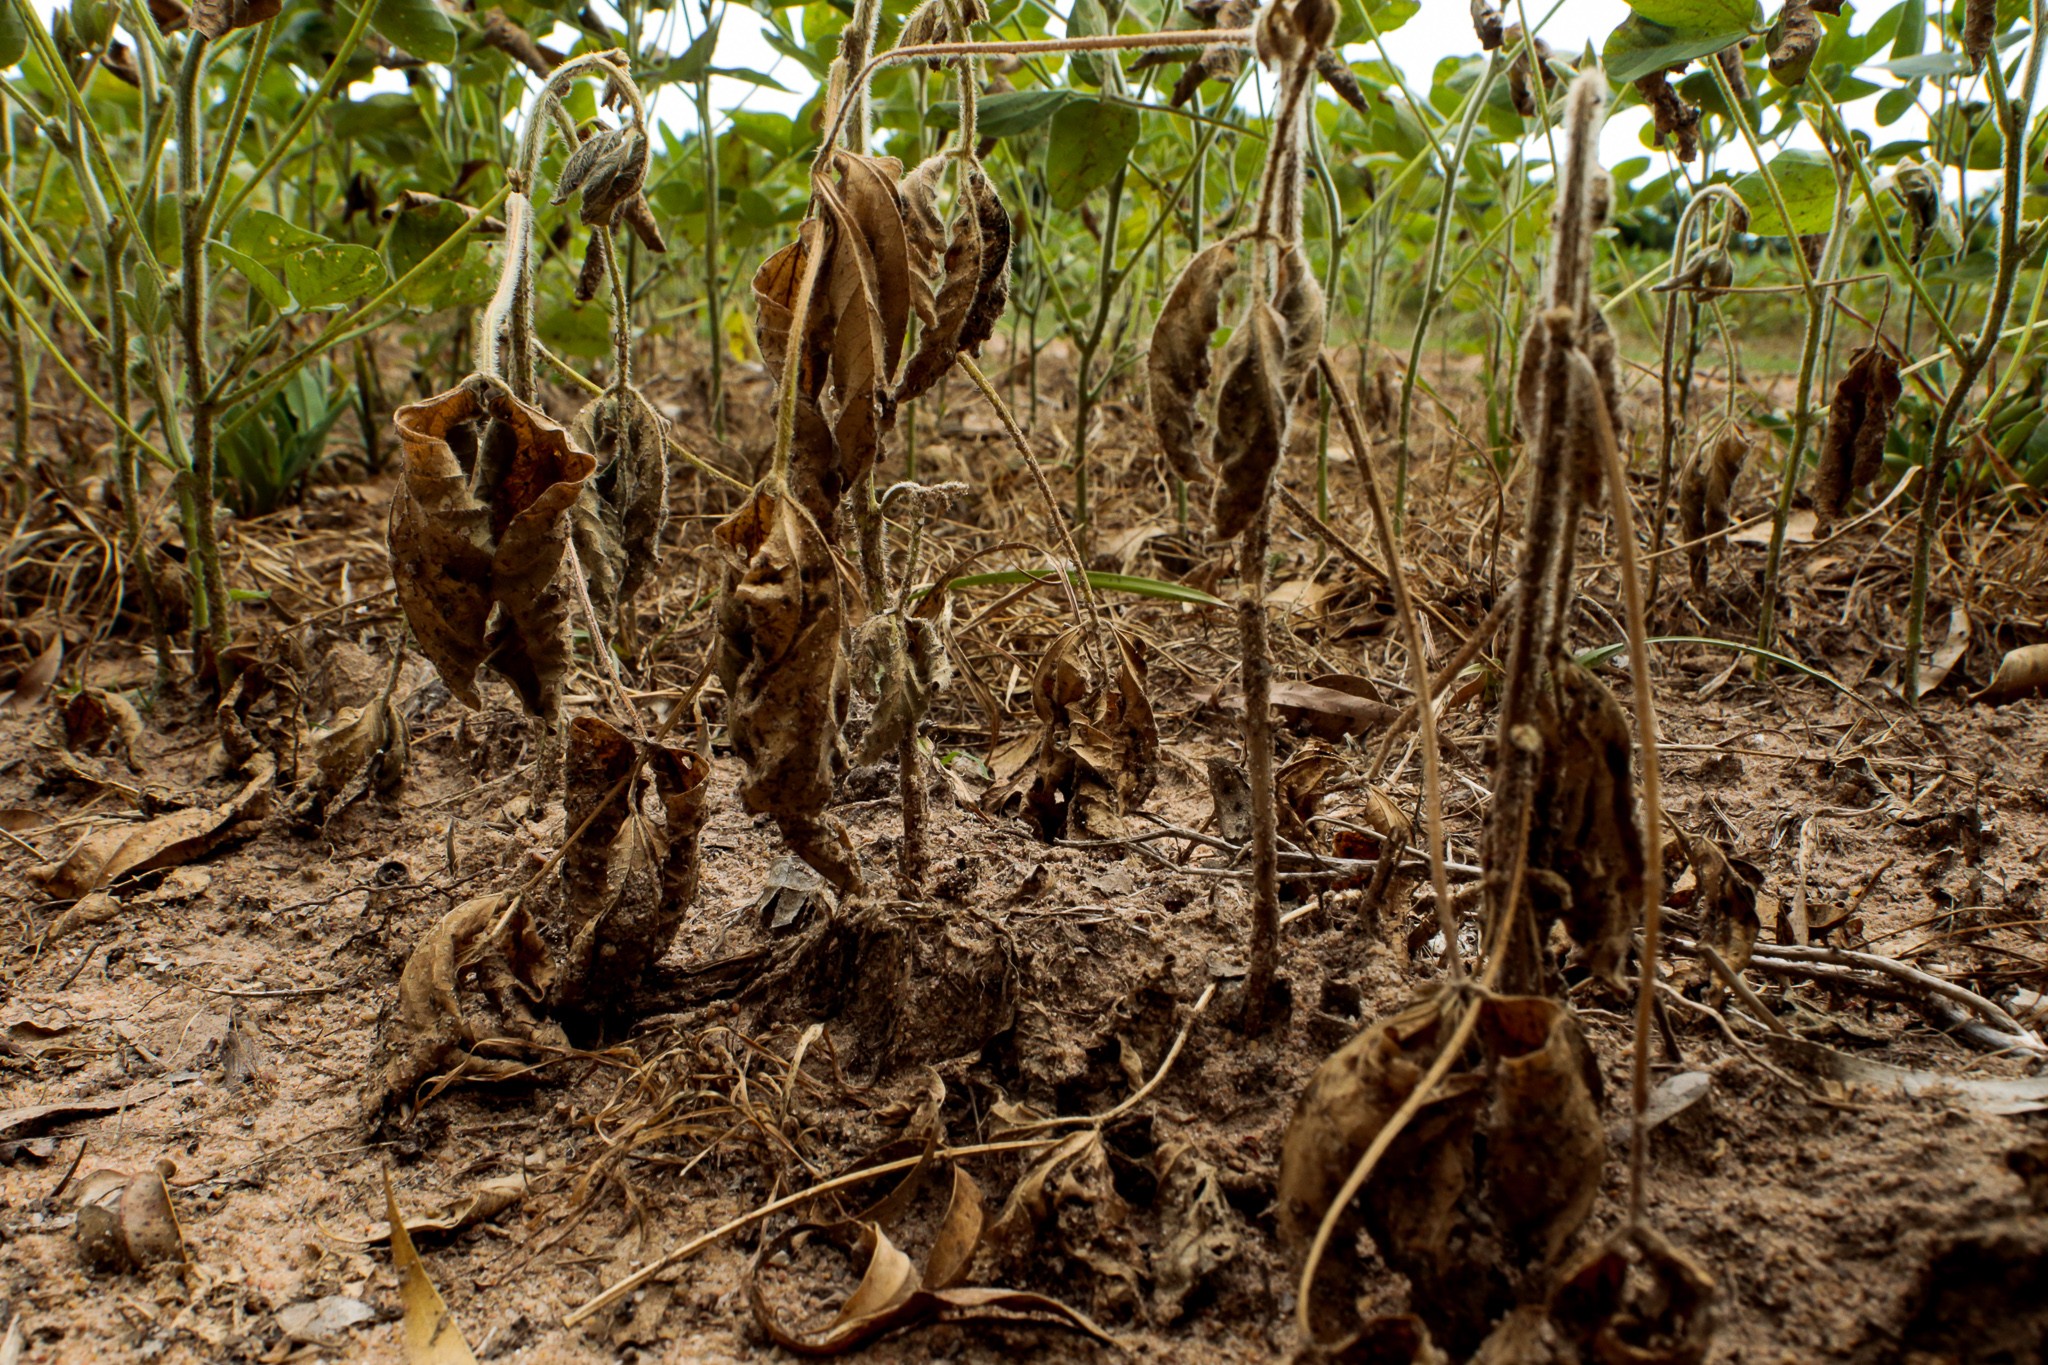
x=210 y=607
x=1255 y=651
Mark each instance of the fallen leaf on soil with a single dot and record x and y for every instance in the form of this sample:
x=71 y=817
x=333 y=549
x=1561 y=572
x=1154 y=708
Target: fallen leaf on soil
x=363 y=749
x=1200 y=1233
x=320 y=1322
x=1327 y=712
x=2020 y=1095
x=126 y=1222
x=1800 y=529
x=95 y=908
x=430 y=1332
x=893 y=1293
x=2022 y=671
x=96 y=717
x=1655 y=1308
x=108 y=855
x=480 y=1204
x=1674 y=1095
x=1067 y=1204
x=30 y=1120
x=1724 y=899
x=34 y=682
x=1949 y=653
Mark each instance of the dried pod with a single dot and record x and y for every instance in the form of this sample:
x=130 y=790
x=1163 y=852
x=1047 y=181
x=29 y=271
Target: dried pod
x=1859 y=418
x=1522 y=72
x=1737 y=72
x=1705 y=486
x=608 y=167
x=1178 y=365
x=1794 y=40
x=1487 y=25
x=785 y=675
x=591 y=277
x=1678 y=123
x=1980 y=26
x=1337 y=74
x=1218 y=61
x=455 y=558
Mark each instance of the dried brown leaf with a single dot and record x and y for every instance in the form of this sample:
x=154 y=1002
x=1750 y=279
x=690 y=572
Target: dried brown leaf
x=1639 y=1300
x=1177 y=367
x=1794 y=41
x=1859 y=419
x=1705 y=487
x=166 y=841
x=218 y=18
x=96 y=717
x=624 y=507
x=1251 y=420
x=431 y=1334
x=780 y=660
x=924 y=234
x=2021 y=672
x=34 y=683
x=455 y=557
x=776 y=283
x=1678 y=123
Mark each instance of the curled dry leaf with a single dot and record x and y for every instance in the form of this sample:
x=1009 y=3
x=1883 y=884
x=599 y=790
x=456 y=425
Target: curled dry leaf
x=1177 y=367
x=455 y=558
x=1202 y=1233
x=976 y=289
x=1638 y=1300
x=1859 y=419
x=34 y=683
x=1487 y=1183
x=627 y=882
x=1705 y=486
x=623 y=509
x=1724 y=900
x=780 y=661
x=2021 y=673
x=924 y=233
x=479 y=1204
x=1794 y=41
x=1678 y=123
x=126 y=1222
x=1264 y=365
x=365 y=748
x=95 y=718
x=1586 y=854
x=1337 y=75
x=900 y=662
x=1522 y=73
x=427 y=1028
x=1067 y=1204
x=431 y=1334
x=106 y=856
x=1487 y=25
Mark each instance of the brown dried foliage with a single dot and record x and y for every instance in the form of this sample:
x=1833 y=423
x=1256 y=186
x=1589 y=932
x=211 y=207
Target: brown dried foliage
x=623 y=510
x=1678 y=123
x=1795 y=39
x=1859 y=418
x=1178 y=366
x=1980 y=26
x=1264 y=365
x=976 y=288
x=480 y=522
x=1705 y=486
x=1218 y=61
x=1476 y=1197
x=1487 y=25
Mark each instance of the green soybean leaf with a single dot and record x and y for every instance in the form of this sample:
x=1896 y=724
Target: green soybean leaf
x=1936 y=64
x=1090 y=140
x=695 y=63
x=1139 y=586
x=1086 y=20
x=266 y=238
x=1808 y=183
x=1911 y=38
x=1601 y=655
x=324 y=276
x=13 y=36
x=1003 y=115
x=750 y=77
x=258 y=275
x=1665 y=33
x=146 y=305
x=1388 y=15
x=417 y=26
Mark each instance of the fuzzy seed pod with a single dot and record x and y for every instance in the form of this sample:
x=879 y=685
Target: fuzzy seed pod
x=1486 y=23
x=1980 y=24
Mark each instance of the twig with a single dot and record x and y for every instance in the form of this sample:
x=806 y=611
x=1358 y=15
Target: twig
x=1750 y=999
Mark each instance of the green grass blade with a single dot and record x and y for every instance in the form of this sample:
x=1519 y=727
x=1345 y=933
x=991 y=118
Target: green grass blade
x=1596 y=657
x=1154 y=588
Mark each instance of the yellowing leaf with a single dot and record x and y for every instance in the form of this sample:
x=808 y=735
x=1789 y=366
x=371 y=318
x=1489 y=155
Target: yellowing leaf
x=431 y=1336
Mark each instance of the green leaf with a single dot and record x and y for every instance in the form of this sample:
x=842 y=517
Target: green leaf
x=1388 y=15
x=1091 y=140
x=1893 y=105
x=146 y=305
x=13 y=35
x=1350 y=23
x=266 y=238
x=1808 y=184
x=1086 y=20
x=329 y=275
x=1004 y=115
x=1138 y=586
x=415 y=233
x=750 y=76
x=259 y=277
x=1936 y=64
x=1912 y=34
x=1665 y=33
x=695 y=63
x=417 y=26
x=1597 y=657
